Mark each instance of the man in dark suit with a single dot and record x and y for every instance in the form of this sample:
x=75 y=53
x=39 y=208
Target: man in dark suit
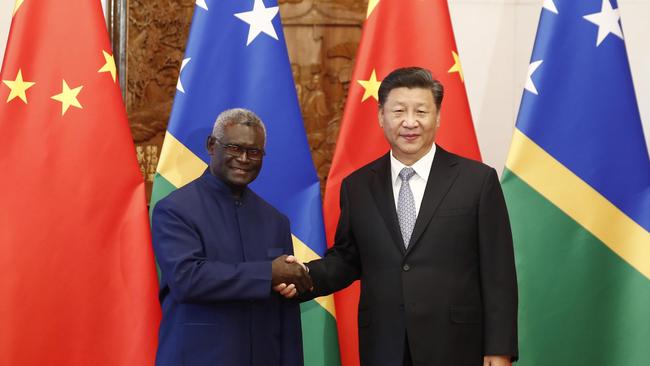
x=220 y=247
x=427 y=233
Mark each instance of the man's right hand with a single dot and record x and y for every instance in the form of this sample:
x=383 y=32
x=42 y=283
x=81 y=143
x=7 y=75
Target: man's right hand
x=283 y=271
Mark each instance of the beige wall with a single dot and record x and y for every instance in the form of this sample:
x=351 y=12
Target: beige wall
x=6 y=8
x=495 y=39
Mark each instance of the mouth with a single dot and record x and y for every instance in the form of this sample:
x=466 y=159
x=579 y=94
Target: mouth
x=410 y=137
x=240 y=170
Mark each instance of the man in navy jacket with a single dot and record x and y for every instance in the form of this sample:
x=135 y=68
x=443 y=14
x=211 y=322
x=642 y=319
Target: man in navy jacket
x=221 y=248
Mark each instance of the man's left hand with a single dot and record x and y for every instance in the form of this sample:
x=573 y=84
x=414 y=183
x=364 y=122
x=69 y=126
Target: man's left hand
x=496 y=361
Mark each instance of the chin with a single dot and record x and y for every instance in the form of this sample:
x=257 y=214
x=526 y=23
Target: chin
x=410 y=149
x=235 y=180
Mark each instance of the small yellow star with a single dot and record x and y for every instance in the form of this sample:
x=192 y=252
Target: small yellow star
x=18 y=87
x=371 y=86
x=371 y=6
x=456 y=67
x=68 y=97
x=18 y=4
x=109 y=66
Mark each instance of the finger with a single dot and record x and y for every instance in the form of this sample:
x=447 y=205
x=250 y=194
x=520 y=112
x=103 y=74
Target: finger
x=308 y=282
x=290 y=259
x=299 y=281
x=280 y=287
x=288 y=289
x=291 y=294
x=305 y=281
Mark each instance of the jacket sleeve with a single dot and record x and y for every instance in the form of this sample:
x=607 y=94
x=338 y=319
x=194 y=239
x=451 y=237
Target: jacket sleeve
x=498 y=276
x=292 y=352
x=341 y=264
x=190 y=276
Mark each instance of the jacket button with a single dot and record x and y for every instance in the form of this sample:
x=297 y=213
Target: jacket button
x=406 y=268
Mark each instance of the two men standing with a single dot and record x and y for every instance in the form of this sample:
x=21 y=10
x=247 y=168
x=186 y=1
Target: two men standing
x=425 y=231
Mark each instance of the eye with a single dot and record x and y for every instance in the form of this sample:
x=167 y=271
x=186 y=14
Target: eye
x=254 y=153
x=235 y=149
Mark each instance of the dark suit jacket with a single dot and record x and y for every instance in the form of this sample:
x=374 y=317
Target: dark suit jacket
x=215 y=257
x=454 y=290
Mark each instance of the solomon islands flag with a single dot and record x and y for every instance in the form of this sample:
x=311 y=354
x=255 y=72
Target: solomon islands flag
x=577 y=184
x=236 y=56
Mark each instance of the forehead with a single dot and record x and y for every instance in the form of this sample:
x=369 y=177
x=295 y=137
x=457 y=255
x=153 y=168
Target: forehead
x=243 y=135
x=404 y=95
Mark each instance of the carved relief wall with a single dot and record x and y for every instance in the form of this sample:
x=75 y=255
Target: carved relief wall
x=157 y=32
x=322 y=38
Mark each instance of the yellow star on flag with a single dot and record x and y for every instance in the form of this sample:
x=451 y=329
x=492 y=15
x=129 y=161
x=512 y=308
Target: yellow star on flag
x=456 y=67
x=371 y=6
x=18 y=4
x=109 y=66
x=68 y=97
x=18 y=87
x=371 y=86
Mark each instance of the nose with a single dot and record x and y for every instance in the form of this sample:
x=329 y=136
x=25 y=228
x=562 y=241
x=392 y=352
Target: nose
x=243 y=157
x=410 y=120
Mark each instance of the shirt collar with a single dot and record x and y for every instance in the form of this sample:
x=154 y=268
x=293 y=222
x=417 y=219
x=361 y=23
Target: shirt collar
x=422 y=167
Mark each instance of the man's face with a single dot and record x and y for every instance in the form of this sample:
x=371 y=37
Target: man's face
x=236 y=170
x=409 y=118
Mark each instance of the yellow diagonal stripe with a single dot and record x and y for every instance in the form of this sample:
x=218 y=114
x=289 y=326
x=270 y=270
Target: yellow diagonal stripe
x=580 y=201
x=305 y=254
x=372 y=4
x=17 y=5
x=178 y=164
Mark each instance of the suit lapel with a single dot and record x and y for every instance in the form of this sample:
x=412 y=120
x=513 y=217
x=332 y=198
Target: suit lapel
x=382 y=191
x=441 y=177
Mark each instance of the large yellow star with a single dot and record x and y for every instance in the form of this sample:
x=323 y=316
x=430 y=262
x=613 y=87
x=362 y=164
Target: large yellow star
x=371 y=6
x=109 y=66
x=371 y=86
x=18 y=4
x=68 y=97
x=456 y=67
x=18 y=87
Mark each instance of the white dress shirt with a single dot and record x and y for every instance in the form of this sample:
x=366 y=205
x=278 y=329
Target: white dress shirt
x=418 y=182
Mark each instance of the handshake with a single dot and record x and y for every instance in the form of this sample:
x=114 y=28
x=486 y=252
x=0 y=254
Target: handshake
x=290 y=277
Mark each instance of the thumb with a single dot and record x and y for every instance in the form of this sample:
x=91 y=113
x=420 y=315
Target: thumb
x=290 y=259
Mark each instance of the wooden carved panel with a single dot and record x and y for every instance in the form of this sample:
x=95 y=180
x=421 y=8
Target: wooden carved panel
x=322 y=38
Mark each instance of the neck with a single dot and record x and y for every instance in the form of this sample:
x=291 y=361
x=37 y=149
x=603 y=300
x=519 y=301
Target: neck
x=409 y=160
x=236 y=191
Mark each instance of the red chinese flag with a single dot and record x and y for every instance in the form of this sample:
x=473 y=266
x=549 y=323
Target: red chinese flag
x=78 y=283
x=396 y=34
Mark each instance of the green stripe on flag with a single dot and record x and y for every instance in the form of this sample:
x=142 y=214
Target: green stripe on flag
x=161 y=188
x=580 y=303
x=319 y=334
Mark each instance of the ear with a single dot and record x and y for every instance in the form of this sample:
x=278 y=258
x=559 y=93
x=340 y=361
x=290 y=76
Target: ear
x=380 y=116
x=209 y=144
x=438 y=120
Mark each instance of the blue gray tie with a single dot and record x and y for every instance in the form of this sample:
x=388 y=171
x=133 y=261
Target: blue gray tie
x=406 y=206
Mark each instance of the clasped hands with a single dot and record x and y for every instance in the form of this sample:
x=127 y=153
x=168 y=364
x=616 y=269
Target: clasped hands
x=289 y=276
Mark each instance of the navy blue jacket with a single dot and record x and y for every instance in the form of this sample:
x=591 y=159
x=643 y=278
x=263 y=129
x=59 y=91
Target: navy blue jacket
x=215 y=256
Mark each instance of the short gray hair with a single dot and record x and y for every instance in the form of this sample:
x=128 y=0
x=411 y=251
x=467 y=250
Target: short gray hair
x=236 y=116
